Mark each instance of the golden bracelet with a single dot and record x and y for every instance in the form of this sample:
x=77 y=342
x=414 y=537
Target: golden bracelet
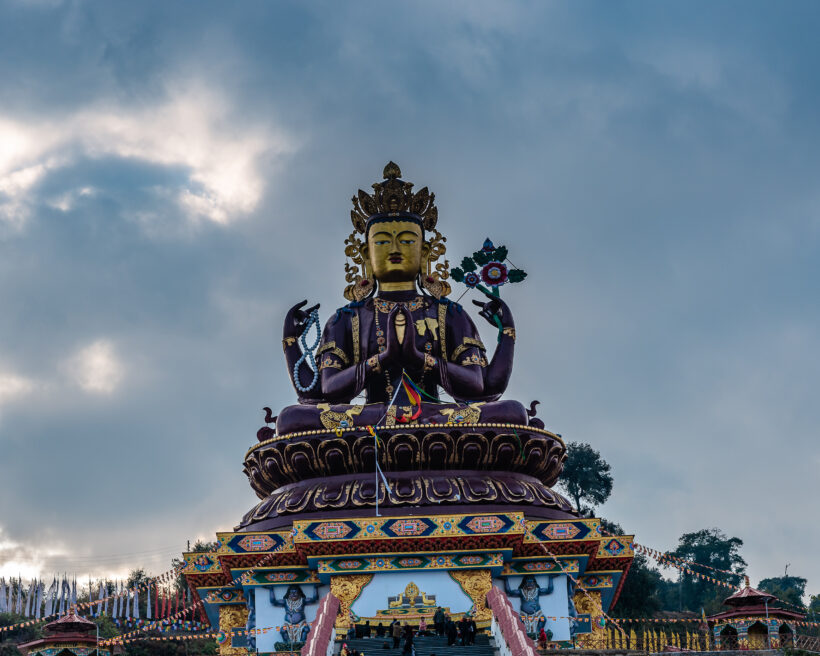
x=288 y=341
x=509 y=332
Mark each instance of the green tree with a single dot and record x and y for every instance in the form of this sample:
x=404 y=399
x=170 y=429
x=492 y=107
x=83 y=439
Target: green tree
x=10 y=639
x=713 y=548
x=786 y=588
x=586 y=476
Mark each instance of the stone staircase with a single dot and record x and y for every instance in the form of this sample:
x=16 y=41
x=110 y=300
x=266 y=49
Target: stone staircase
x=425 y=646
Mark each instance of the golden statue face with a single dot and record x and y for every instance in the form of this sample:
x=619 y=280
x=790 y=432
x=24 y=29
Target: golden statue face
x=395 y=251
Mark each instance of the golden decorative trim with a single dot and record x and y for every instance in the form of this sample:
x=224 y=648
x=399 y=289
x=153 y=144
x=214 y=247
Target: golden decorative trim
x=347 y=588
x=470 y=414
x=334 y=420
x=329 y=363
x=385 y=307
x=357 y=347
x=474 y=359
x=335 y=350
x=390 y=420
x=442 y=328
x=468 y=342
x=289 y=436
x=373 y=363
x=428 y=323
x=288 y=341
x=476 y=584
x=429 y=362
x=509 y=332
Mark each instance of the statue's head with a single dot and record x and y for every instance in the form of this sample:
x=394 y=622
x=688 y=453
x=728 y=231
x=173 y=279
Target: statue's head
x=528 y=583
x=392 y=245
x=294 y=593
x=395 y=250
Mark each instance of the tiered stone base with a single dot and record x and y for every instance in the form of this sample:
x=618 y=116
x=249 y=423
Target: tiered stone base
x=436 y=467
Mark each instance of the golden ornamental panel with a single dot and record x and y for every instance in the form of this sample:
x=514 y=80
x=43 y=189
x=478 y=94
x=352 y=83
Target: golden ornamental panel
x=232 y=617
x=476 y=584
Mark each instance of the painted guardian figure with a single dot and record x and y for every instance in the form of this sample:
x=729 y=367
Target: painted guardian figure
x=529 y=592
x=399 y=319
x=295 y=628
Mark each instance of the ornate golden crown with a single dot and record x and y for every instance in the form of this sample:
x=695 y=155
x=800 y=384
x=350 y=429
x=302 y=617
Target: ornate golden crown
x=394 y=200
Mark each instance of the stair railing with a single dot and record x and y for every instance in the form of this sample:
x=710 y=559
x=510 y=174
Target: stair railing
x=507 y=629
x=320 y=639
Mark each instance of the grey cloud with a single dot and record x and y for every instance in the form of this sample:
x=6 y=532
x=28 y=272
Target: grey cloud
x=662 y=201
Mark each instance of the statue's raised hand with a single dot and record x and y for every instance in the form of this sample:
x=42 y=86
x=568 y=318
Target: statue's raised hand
x=494 y=307
x=296 y=318
x=412 y=356
x=392 y=351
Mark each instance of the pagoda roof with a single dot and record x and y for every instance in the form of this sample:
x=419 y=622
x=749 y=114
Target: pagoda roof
x=70 y=629
x=748 y=596
x=758 y=611
x=71 y=623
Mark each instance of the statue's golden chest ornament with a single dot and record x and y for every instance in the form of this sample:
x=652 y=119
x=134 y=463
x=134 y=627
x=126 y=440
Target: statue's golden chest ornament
x=385 y=306
x=428 y=323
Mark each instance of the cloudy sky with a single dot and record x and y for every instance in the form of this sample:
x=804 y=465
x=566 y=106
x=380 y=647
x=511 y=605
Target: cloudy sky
x=173 y=178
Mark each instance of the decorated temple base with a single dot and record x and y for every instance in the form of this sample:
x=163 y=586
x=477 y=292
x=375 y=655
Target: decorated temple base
x=385 y=568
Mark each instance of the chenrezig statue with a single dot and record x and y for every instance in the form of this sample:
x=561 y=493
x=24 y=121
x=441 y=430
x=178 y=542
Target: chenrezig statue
x=371 y=431
x=399 y=320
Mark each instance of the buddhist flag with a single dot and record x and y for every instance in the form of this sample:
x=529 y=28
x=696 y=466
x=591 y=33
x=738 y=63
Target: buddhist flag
x=27 y=610
x=414 y=397
x=41 y=587
x=148 y=608
x=100 y=597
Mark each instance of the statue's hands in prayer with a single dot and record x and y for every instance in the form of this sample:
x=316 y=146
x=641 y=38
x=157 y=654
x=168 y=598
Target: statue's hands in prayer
x=296 y=318
x=411 y=355
x=392 y=352
x=495 y=307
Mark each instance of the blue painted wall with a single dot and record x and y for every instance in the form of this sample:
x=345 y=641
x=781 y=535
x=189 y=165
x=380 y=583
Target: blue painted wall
x=389 y=584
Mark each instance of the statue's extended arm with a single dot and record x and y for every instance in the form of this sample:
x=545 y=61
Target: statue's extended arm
x=511 y=592
x=498 y=371
x=550 y=586
x=315 y=596
x=273 y=599
x=293 y=327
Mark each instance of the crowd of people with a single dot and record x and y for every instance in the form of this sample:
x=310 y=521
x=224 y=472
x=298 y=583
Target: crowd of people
x=461 y=632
